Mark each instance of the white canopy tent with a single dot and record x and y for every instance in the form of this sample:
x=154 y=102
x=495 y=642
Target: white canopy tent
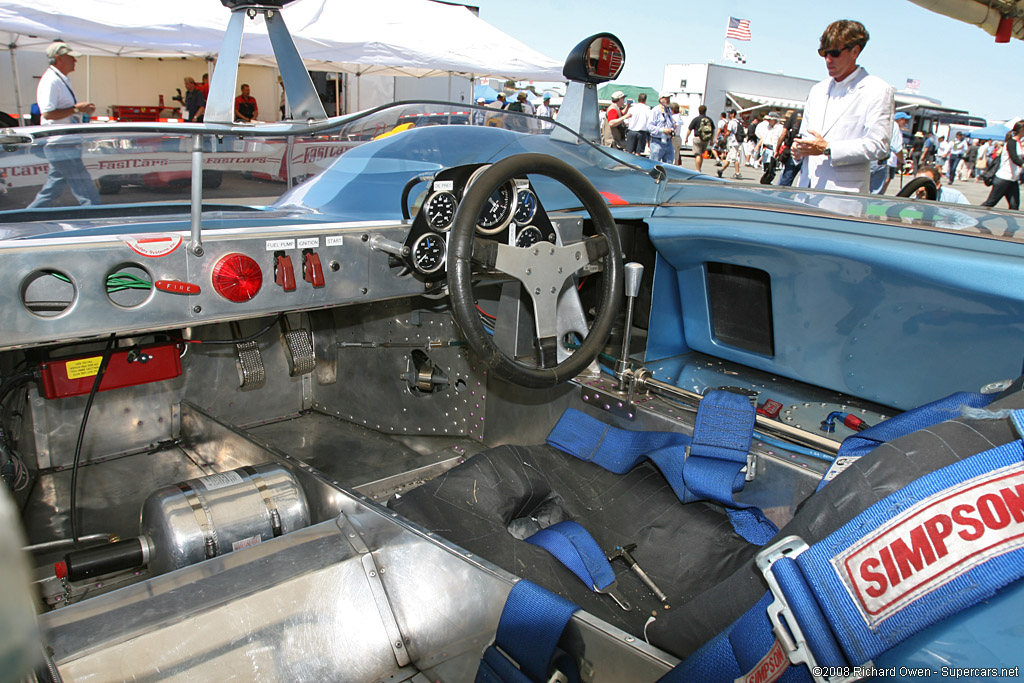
x=403 y=39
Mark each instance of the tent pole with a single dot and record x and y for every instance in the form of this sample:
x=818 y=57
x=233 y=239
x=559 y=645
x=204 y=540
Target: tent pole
x=337 y=94
x=17 y=85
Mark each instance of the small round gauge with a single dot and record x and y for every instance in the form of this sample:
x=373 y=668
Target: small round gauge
x=428 y=253
x=440 y=208
x=526 y=206
x=529 y=236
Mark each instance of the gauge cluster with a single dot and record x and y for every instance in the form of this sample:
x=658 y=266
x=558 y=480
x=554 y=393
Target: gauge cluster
x=512 y=215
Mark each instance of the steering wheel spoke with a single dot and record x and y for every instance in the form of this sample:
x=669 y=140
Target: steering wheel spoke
x=545 y=270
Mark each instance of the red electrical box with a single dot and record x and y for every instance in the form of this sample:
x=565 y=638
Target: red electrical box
x=127 y=367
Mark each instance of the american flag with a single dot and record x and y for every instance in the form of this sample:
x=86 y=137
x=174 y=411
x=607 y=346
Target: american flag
x=913 y=84
x=739 y=29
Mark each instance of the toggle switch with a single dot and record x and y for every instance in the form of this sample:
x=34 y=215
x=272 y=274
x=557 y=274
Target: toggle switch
x=284 y=274
x=312 y=271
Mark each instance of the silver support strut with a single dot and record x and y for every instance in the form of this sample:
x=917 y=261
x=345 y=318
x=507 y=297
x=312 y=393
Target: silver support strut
x=196 y=219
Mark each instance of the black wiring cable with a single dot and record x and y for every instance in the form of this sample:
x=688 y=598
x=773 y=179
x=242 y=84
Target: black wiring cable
x=15 y=381
x=111 y=341
x=251 y=337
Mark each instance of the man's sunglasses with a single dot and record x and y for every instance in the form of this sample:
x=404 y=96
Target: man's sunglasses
x=834 y=54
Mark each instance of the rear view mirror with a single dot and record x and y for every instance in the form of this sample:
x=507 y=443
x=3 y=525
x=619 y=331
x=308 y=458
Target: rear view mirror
x=597 y=59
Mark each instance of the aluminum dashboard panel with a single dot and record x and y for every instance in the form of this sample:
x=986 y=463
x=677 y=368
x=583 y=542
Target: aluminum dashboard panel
x=61 y=289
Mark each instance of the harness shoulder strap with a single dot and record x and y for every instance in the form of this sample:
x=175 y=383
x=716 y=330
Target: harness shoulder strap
x=946 y=542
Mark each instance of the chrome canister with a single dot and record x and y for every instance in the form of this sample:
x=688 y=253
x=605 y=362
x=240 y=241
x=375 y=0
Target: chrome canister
x=203 y=518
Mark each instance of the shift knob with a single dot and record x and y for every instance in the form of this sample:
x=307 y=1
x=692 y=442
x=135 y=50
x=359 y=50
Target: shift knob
x=634 y=273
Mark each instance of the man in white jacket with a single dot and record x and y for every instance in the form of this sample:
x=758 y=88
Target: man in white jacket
x=848 y=117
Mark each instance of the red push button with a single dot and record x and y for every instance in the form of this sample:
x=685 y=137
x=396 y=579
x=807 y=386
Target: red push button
x=284 y=274
x=312 y=271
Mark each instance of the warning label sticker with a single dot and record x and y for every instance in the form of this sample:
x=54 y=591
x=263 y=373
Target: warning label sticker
x=152 y=246
x=84 y=367
x=219 y=481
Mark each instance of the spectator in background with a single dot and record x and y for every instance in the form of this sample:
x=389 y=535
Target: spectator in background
x=1006 y=183
x=783 y=149
x=479 y=115
x=660 y=129
x=614 y=132
x=204 y=86
x=545 y=107
x=246 y=109
x=970 y=160
x=896 y=148
x=945 y=193
x=639 y=115
x=678 y=121
x=750 y=141
x=702 y=128
x=499 y=102
x=195 y=101
x=981 y=163
x=957 y=152
x=58 y=105
x=942 y=150
x=733 y=155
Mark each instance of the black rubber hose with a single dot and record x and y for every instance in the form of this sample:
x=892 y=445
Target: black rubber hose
x=73 y=512
x=413 y=182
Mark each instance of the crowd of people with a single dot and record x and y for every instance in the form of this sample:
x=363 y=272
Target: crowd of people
x=848 y=137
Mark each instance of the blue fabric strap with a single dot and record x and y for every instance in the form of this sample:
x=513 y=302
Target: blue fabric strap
x=573 y=546
x=704 y=467
x=531 y=624
x=928 y=415
x=942 y=544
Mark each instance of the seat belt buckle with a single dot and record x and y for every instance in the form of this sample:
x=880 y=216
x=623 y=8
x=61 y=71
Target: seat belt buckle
x=789 y=634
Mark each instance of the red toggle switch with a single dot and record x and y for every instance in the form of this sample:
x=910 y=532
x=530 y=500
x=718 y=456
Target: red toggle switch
x=284 y=274
x=176 y=287
x=312 y=271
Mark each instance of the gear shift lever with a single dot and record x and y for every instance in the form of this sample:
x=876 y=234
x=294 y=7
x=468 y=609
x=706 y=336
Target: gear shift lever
x=634 y=273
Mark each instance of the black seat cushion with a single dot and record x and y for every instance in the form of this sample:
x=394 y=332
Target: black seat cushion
x=490 y=502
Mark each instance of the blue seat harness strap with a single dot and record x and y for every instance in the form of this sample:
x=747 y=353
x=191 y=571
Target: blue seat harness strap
x=704 y=467
x=573 y=546
x=947 y=541
x=531 y=623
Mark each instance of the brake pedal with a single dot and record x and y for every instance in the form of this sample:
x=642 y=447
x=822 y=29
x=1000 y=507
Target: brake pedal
x=301 y=359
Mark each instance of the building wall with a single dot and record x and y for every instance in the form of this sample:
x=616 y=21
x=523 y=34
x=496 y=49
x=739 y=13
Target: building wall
x=708 y=84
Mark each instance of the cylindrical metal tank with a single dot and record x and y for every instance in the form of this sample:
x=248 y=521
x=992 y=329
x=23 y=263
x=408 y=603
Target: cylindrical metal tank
x=202 y=518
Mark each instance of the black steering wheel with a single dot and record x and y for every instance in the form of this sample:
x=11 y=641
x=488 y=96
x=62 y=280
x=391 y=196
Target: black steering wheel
x=543 y=269
x=910 y=189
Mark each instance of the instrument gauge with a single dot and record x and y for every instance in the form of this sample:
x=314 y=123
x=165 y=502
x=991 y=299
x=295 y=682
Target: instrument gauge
x=428 y=253
x=529 y=236
x=498 y=208
x=526 y=206
x=440 y=208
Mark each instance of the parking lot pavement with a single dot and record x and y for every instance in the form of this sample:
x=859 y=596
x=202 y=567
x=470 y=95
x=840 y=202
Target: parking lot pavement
x=976 y=193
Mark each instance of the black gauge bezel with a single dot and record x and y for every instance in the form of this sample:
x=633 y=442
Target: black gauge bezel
x=426 y=210
x=533 y=210
x=441 y=261
x=519 y=233
x=510 y=210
